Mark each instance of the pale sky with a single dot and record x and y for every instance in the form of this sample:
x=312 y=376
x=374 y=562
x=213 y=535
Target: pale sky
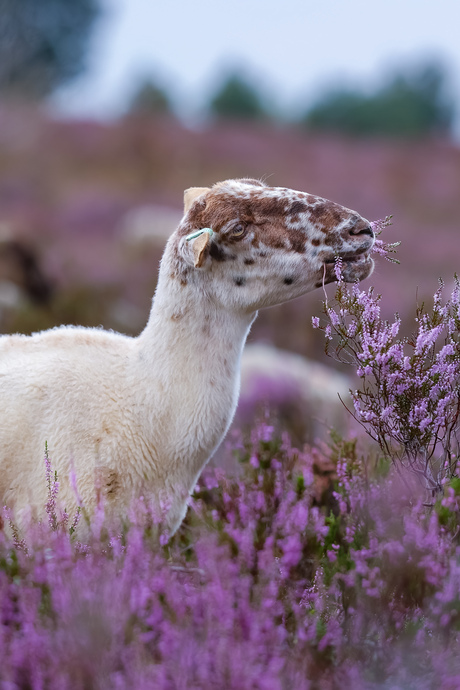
x=292 y=48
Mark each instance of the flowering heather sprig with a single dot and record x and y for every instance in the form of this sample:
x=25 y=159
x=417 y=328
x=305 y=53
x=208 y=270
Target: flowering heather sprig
x=51 y=505
x=16 y=538
x=409 y=399
x=53 y=490
x=380 y=247
x=75 y=520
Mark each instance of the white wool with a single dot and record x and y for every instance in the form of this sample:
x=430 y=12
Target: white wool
x=142 y=416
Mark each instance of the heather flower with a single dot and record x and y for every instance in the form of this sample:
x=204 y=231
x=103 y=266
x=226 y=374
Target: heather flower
x=254 y=461
x=380 y=247
x=53 y=490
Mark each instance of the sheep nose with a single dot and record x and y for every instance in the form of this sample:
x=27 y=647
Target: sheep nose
x=361 y=227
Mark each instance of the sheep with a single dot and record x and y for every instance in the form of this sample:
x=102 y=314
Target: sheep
x=140 y=417
x=304 y=395
x=21 y=269
x=21 y=277
x=148 y=226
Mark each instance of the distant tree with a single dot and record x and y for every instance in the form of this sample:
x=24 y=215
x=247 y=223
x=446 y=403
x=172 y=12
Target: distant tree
x=237 y=99
x=411 y=104
x=42 y=44
x=150 y=99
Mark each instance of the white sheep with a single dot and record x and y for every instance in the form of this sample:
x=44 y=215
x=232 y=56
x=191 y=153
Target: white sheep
x=142 y=416
x=148 y=226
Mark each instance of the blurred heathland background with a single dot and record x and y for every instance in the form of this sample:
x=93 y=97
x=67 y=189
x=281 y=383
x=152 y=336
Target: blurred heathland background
x=109 y=109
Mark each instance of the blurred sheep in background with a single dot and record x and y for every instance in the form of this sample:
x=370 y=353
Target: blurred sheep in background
x=21 y=277
x=298 y=394
x=148 y=226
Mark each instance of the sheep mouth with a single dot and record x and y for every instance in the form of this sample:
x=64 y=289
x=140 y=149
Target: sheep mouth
x=355 y=266
x=355 y=257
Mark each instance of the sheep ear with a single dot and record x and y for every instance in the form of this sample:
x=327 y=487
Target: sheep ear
x=191 y=194
x=199 y=249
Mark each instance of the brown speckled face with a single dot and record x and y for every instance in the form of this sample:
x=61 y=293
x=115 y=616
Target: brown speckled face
x=278 y=235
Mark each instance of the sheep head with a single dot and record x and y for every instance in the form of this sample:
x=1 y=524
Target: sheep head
x=267 y=244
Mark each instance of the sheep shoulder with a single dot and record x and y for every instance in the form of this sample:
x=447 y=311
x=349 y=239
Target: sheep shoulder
x=61 y=338
x=66 y=384
x=64 y=366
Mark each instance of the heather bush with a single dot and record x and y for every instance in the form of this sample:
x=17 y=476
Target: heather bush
x=409 y=399
x=262 y=587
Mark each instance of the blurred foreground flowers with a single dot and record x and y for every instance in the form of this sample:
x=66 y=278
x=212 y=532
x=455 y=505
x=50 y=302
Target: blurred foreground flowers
x=266 y=585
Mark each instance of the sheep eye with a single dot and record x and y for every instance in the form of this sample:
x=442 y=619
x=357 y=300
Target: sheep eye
x=238 y=230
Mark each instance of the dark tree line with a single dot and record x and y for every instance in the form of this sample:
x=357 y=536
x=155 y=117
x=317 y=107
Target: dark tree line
x=412 y=103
